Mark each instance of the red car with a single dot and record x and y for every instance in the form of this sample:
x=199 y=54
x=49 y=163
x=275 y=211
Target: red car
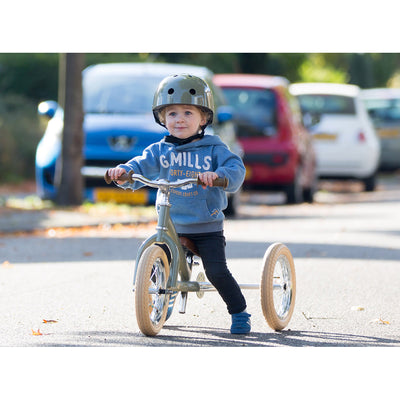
x=278 y=149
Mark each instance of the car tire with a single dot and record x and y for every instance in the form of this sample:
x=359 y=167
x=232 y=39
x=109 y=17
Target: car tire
x=309 y=192
x=294 y=192
x=233 y=205
x=370 y=183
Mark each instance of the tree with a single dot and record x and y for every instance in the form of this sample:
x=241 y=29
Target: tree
x=69 y=180
x=316 y=68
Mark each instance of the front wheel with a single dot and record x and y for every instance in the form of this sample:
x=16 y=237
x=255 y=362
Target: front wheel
x=151 y=301
x=278 y=286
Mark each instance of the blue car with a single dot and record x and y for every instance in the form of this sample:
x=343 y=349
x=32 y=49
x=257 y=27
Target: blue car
x=118 y=125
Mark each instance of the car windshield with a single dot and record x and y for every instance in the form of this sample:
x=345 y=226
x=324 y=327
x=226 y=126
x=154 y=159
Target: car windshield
x=326 y=104
x=384 y=110
x=255 y=110
x=119 y=94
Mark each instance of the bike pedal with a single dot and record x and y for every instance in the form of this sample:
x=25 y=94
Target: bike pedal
x=182 y=303
x=200 y=278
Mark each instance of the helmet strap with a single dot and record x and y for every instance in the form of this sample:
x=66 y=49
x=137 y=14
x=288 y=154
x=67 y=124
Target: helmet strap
x=180 y=142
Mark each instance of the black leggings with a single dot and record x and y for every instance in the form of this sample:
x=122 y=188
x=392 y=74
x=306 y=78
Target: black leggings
x=211 y=248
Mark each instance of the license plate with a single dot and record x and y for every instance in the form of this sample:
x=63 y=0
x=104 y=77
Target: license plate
x=325 y=136
x=388 y=133
x=121 y=196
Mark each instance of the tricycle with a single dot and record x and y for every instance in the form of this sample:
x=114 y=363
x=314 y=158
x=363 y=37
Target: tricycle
x=165 y=261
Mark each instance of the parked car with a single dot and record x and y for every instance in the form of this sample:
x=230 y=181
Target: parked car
x=118 y=125
x=383 y=105
x=345 y=140
x=278 y=150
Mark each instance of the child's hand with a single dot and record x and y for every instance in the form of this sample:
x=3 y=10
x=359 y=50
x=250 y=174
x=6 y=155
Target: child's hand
x=115 y=173
x=207 y=178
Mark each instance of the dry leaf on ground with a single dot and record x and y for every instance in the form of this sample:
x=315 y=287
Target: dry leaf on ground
x=357 y=308
x=379 y=321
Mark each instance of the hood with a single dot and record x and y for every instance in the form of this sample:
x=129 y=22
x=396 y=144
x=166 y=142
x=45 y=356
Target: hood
x=119 y=136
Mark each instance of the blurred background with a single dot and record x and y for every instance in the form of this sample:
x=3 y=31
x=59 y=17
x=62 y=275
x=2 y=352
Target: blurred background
x=26 y=79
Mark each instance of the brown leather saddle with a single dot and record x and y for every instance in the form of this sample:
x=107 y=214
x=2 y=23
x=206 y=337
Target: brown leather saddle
x=189 y=245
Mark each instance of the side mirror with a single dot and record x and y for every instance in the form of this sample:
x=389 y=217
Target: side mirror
x=48 y=108
x=224 y=114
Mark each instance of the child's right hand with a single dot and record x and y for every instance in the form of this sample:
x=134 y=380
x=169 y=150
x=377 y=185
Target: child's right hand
x=115 y=173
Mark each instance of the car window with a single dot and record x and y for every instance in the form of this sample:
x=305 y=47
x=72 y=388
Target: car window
x=255 y=110
x=119 y=94
x=326 y=104
x=384 y=110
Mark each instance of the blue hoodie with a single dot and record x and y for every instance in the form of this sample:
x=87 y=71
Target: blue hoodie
x=194 y=209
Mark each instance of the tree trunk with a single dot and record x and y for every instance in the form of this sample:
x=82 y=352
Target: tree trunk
x=69 y=179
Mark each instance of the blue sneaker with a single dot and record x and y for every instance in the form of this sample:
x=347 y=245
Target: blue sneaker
x=240 y=323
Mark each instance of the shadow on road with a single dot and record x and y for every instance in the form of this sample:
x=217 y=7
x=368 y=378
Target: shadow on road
x=37 y=249
x=215 y=337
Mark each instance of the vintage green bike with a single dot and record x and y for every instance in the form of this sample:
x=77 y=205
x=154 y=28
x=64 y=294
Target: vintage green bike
x=165 y=261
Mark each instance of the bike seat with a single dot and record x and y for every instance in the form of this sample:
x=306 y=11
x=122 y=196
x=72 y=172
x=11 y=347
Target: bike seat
x=188 y=244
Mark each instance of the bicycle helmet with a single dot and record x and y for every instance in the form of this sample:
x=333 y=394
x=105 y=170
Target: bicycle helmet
x=183 y=89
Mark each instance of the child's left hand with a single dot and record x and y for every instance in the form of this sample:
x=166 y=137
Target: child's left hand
x=207 y=178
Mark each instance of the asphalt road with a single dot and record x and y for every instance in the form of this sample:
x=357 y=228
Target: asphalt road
x=346 y=249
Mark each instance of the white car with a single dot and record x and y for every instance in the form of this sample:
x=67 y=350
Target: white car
x=383 y=105
x=345 y=140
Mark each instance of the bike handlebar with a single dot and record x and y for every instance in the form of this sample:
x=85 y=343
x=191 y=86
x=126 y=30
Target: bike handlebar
x=131 y=177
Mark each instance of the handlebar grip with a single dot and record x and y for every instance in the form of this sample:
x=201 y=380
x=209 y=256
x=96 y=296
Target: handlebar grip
x=222 y=182
x=123 y=177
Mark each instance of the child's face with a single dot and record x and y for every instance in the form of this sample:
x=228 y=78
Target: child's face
x=183 y=121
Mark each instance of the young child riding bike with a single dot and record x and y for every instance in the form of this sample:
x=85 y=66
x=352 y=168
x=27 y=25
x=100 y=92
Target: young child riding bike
x=184 y=105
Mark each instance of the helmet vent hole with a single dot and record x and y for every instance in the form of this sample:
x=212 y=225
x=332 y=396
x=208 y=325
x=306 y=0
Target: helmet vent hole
x=170 y=91
x=192 y=91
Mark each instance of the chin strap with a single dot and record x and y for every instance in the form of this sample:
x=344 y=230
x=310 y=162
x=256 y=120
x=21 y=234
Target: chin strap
x=179 y=142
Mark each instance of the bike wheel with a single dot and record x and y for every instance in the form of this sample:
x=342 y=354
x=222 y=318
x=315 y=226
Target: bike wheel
x=151 y=302
x=278 y=286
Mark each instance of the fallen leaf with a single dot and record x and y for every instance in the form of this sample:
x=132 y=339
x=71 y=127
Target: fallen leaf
x=357 y=308
x=49 y=321
x=36 y=333
x=379 y=321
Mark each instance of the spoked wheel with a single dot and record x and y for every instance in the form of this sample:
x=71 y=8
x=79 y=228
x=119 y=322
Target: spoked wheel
x=151 y=302
x=278 y=286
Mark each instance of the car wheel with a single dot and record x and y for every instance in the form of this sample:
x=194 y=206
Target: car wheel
x=309 y=192
x=370 y=183
x=294 y=192
x=233 y=204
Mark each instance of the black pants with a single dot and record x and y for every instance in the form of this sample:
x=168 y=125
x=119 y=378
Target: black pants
x=211 y=247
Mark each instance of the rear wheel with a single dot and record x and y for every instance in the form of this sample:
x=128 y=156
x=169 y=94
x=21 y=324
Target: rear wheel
x=370 y=183
x=278 y=286
x=151 y=301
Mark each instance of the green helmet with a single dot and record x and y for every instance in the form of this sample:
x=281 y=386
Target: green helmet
x=183 y=89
